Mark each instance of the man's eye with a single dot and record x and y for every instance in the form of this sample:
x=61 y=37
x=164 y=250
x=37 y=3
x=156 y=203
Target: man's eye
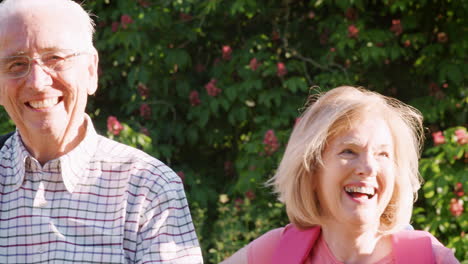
x=17 y=65
x=52 y=58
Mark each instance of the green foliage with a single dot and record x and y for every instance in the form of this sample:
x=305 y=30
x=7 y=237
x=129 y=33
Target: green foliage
x=6 y=125
x=242 y=221
x=216 y=76
x=440 y=206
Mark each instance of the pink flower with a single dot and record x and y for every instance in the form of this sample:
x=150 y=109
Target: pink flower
x=143 y=90
x=144 y=3
x=254 y=64
x=113 y=125
x=275 y=36
x=125 y=20
x=353 y=31
x=211 y=88
x=433 y=87
x=438 y=138
x=351 y=14
x=145 y=131
x=115 y=26
x=407 y=43
x=459 y=189
x=185 y=17
x=396 y=27
x=281 y=69
x=238 y=203
x=462 y=136
x=434 y=90
x=250 y=195
x=145 y=111
x=442 y=37
x=194 y=98
x=271 y=142
x=181 y=175
x=456 y=207
x=332 y=49
x=227 y=51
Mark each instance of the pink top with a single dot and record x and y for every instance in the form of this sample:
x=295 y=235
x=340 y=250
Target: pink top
x=265 y=245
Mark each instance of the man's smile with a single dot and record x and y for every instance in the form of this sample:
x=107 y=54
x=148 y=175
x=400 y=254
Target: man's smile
x=44 y=103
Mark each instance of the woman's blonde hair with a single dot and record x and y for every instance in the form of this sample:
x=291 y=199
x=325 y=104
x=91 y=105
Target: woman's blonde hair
x=329 y=114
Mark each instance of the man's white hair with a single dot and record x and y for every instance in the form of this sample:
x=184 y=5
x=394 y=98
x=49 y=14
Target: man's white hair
x=11 y=7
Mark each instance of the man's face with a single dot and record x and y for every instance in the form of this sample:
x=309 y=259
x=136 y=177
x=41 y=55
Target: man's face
x=45 y=102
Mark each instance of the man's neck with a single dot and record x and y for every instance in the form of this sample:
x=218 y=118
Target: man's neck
x=49 y=146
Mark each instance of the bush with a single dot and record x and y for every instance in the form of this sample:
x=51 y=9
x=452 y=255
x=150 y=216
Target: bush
x=213 y=89
x=440 y=208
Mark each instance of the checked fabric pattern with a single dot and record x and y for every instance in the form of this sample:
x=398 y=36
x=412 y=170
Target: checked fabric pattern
x=104 y=202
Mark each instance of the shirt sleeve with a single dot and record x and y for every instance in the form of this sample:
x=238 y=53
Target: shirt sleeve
x=166 y=233
x=443 y=255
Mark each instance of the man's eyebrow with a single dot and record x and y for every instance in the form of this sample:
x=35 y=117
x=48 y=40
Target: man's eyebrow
x=23 y=53
x=17 y=53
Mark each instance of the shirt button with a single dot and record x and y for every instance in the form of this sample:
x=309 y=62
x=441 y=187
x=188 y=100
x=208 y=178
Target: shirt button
x=40 y=250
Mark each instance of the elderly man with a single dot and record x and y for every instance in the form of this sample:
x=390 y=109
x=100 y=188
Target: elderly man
x=66 y=193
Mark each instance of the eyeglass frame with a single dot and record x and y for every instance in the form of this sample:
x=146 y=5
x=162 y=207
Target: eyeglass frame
x=39 y=60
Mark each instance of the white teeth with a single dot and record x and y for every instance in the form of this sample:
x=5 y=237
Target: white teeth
x=44 y=103
x=359 y=189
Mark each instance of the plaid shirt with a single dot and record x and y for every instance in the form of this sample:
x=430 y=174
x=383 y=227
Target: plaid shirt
x=103 y=202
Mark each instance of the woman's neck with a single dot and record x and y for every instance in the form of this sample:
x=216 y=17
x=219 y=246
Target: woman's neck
x=351 y=244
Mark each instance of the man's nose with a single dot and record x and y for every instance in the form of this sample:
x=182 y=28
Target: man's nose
x=38 y=76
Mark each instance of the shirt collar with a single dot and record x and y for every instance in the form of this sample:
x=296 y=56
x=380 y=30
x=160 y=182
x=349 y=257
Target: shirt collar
x=13 y=160
x=73 y=165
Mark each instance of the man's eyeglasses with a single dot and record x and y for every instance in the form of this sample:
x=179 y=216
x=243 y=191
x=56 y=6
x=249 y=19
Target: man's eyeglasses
x=54 y=61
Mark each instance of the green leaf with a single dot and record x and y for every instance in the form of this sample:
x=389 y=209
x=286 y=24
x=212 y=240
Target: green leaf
x=453 y=73
x=179 y=57
x=204 y=116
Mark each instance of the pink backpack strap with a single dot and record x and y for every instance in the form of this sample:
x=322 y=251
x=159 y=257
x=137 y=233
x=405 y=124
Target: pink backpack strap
x=295 y=245
x=412 y=247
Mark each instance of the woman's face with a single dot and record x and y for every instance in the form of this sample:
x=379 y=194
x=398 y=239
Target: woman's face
x=358 y=176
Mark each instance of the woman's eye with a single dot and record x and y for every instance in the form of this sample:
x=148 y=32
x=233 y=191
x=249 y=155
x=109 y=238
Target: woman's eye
x=347 y=151
x=384 y=154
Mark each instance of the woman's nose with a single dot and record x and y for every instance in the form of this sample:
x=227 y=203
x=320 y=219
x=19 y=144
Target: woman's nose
x=367 y=165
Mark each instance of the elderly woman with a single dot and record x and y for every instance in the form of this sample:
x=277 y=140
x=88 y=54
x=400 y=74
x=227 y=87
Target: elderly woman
x=349 y=177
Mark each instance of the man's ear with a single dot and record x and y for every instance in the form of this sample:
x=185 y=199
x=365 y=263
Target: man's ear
x=93 y=72
x=2 y=91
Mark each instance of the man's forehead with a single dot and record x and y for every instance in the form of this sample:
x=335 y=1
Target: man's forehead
x=29 y=31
